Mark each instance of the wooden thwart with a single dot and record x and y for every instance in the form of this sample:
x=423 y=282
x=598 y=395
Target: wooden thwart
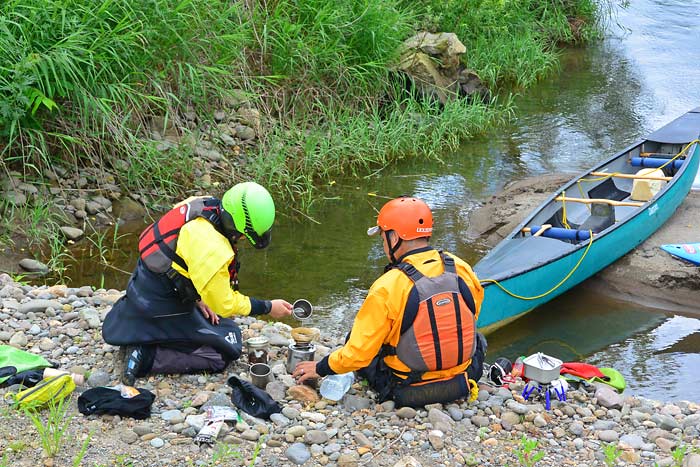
x=598 y=200
x=636 y=177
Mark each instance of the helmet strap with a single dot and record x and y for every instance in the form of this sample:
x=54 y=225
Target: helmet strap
x=392 y=249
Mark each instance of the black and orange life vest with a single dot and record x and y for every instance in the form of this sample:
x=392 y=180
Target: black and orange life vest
x=438 y=330
x=158 y=242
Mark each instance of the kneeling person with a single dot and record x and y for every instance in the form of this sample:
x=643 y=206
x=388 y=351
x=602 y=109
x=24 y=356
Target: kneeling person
x=173 y=318
x=414 y=338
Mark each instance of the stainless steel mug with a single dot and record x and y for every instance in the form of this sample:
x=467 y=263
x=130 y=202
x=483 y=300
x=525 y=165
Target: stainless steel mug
x=299 y=353
x=260 y=374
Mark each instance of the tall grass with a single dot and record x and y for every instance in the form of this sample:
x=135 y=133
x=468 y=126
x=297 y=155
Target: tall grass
x=81 y=80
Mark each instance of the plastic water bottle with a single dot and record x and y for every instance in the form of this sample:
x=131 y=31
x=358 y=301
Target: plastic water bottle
x=334 y=387
x=518 y=368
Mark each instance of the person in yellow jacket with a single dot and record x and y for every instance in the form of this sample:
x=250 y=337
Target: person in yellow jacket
x=174 y=316
x=414 y=338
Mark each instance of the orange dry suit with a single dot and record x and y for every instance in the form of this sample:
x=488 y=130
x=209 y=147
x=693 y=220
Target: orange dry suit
x=424 y=329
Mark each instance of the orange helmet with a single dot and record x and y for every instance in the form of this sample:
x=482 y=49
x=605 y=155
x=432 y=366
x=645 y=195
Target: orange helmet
x=409 y=217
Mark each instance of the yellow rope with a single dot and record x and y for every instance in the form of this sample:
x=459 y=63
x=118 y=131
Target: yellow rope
x=494 y=281
x=564 y=222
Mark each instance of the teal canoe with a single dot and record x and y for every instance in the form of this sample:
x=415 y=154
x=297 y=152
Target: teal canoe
x=590 y=222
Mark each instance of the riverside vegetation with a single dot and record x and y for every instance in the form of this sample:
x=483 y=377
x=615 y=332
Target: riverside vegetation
x=150 y=101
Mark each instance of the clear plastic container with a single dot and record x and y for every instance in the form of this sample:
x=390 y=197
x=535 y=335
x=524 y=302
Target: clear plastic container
x=334 y=387
x=517 y=371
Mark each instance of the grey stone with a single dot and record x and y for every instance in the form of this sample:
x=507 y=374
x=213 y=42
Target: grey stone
x=98 y=378
x=32 y=265
x=296 y=431
x=440 y=420
x=38 y=306
x=290 y=412
x=217 y=399
x=608 y=398
x=47 y=344
x=245 y=132
x=316 y=437
x=665 y=422
x=353 y=402
x=691 y=420
x=18 y=340
x=279 y=420
x=517 y=407
x=91 y=316
x=276 y=390
x=632 y=440
x=576 y=428
x=173 y=416
x=298 y=453
x=692 y=460
x=480 y=421
x=250 y=435
x=128 y=436
x=143 y=429
x=456 y=413
x=437 y=439
x=406 y=412
x=72 y=233
x=608 y=436
x=157 y=443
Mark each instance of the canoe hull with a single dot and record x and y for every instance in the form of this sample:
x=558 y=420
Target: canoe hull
x=500 y=308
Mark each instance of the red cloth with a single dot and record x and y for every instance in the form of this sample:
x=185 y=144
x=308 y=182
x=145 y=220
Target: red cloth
x=582 y=370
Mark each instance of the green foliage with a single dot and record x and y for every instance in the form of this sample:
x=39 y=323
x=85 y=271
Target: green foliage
x=511 y=41
x=82 y=82
x=52 y=430
x=526 y=452
x=78 y=459
x=678 y=454
x=612 y=452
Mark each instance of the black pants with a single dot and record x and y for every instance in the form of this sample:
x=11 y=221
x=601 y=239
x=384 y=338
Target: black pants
x=383 y=381
x=170 y=359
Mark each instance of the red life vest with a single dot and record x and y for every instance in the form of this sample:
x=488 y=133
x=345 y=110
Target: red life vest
x=158 y=242
x=438 y=330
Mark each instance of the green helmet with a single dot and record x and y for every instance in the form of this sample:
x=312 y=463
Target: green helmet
x=252 y=210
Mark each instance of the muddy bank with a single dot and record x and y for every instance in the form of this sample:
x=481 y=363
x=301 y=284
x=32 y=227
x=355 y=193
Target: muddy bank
x=647 y=275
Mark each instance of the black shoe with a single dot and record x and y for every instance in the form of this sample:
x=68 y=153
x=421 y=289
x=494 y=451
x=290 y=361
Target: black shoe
x=132 y=365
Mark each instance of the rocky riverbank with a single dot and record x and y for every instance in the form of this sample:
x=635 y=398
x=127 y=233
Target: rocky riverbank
x=593 y=426
x=646 y=275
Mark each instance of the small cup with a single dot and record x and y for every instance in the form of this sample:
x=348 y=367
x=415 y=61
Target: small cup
x=260 y=374
x=302 y=309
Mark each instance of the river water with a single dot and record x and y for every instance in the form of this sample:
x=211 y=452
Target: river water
x=606 y=96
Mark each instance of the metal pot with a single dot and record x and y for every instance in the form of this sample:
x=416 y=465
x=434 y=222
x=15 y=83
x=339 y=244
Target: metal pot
x=541 y=368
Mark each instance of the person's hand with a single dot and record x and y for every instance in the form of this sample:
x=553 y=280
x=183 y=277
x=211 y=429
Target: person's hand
x=208 y=312
x=304 y=371
x=280 y=308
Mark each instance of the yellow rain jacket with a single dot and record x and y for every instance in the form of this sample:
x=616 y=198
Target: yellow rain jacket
x=208 y=254
x=378 y=321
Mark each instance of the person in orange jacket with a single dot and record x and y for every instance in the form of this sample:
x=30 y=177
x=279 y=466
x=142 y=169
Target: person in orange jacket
x=414 y=338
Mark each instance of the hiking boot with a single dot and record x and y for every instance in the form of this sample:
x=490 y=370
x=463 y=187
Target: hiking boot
x=132 y=364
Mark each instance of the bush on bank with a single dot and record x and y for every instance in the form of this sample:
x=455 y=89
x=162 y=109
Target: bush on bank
x=80 y=80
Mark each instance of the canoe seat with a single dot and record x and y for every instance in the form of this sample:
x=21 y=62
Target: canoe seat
x=602 y=216
x=608 y=190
